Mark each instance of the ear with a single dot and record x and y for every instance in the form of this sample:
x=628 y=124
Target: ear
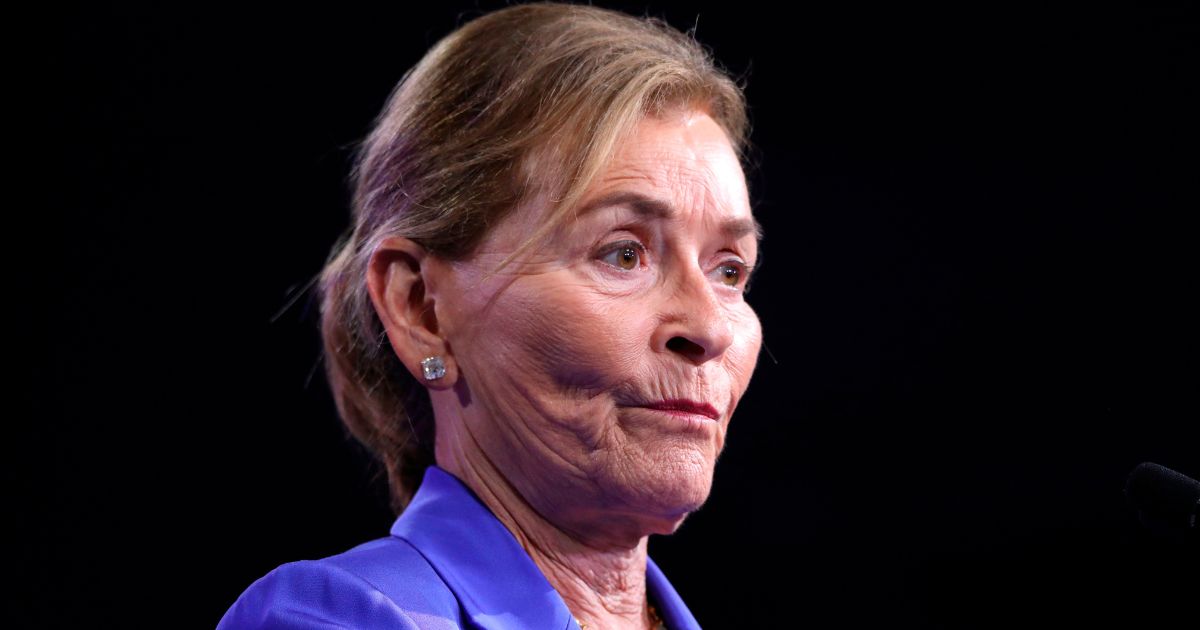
x=398 y=278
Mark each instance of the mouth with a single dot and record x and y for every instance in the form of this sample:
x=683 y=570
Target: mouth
x=684 y=407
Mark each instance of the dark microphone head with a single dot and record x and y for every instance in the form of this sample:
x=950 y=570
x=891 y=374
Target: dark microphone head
x=1168 y=503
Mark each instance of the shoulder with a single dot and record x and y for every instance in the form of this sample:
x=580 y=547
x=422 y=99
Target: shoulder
x=384 y=583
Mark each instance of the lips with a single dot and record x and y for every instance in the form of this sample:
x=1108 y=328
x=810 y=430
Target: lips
x=685 y=406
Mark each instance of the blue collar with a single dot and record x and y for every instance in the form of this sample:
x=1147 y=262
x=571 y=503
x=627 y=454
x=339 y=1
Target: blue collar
x=496 y=582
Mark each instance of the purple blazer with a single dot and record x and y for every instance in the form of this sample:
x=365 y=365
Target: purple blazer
x=449 y=563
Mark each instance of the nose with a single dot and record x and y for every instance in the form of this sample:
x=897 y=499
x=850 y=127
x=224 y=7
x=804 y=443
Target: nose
x=694 y=324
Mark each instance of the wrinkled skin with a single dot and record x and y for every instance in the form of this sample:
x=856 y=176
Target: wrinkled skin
x=560 y=404
x=556 y=352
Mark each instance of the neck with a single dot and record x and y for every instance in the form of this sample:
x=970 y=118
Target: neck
x=603 y=583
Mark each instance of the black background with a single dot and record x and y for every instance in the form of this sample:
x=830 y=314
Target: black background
x=978 y=291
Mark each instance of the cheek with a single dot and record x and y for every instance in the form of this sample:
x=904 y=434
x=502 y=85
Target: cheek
x=742 y=356
x=569 y=341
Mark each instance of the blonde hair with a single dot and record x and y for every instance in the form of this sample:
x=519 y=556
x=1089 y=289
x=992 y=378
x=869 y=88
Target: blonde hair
x=528 y=102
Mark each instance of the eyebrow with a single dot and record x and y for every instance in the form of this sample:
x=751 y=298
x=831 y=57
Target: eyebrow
x=649 y=207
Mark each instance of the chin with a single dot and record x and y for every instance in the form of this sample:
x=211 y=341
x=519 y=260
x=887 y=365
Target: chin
x=675 y=483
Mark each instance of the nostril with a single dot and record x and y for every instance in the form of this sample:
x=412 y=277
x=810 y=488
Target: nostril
x=685 y=347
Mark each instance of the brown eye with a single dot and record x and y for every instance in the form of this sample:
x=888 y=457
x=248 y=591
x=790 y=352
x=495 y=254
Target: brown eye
x=626 y=256
x=729 y=274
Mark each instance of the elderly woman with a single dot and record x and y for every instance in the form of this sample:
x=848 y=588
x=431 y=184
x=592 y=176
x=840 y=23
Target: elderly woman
x=538 y=325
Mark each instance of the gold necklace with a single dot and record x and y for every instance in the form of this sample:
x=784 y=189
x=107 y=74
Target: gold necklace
x=656 y=622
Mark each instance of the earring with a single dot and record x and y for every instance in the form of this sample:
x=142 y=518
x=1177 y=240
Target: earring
x=433 y=367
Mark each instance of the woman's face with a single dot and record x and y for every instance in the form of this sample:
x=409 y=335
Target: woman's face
x=598 y=374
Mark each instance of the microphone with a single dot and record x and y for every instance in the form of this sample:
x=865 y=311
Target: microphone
x=1168 y=502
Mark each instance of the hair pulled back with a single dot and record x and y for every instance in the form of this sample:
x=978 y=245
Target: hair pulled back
x=528 y=102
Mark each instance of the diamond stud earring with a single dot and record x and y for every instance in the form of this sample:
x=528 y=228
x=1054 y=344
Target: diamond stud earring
x=433 y=367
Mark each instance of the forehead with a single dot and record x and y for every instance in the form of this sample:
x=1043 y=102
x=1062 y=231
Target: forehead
x=685 y=159
x=678 y=168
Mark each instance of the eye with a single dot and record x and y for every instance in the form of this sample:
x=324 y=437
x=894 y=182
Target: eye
x=625 y=255
x=729 y=274
x=733 y=273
